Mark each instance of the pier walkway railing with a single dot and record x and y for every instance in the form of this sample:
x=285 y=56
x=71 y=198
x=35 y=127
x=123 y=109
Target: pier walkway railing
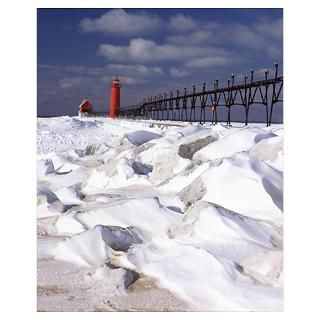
x=203 y=105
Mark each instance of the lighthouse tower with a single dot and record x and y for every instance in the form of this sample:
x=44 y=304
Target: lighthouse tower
x=115 y=97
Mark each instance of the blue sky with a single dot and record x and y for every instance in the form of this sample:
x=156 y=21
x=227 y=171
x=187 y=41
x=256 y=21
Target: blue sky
x=150 y=50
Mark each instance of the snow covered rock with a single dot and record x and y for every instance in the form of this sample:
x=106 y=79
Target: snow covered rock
x=187 y=150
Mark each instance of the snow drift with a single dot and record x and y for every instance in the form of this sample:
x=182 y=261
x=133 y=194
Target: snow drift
x=199 y=209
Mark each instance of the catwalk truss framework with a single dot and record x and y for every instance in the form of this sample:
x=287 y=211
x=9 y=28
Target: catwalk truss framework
x=182 y=106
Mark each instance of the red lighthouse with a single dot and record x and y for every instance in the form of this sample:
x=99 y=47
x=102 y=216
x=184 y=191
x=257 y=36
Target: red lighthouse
x=114 y=98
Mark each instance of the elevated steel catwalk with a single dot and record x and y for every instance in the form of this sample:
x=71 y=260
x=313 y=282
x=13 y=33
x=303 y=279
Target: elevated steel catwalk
x=183 y=107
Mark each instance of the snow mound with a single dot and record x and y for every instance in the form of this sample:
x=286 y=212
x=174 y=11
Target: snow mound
x=242 y=179
x=226 y=234
x=198 y=208
x=61 y=163
x=236 y=141
x=170 y=157
x=62 y=133
x=121 y=172
x=76 y=123
x=95 y=246
x=185 y=181
x=270 y=151
x=146 y=215
x=172 y=141
x=178 y=133
x=140 y=137
x=200 y=278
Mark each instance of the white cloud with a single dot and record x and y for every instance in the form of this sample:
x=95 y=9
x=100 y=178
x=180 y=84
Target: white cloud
x=181 y=22
x=137 y=70
x=73 y=76
x=193 y=50
x=179 y=73
x=134 y=70
x=146 y=51
x=112 y=52
x=256 y=35
x=118 y=21
x=76 y=69
x=196 y=37
x=246 y=36
x=73 y=82
x=207 y=62
x=46 y=66
x=273 y=29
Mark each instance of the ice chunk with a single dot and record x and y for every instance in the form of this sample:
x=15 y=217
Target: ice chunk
x=44 y=167
x=68 y=196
